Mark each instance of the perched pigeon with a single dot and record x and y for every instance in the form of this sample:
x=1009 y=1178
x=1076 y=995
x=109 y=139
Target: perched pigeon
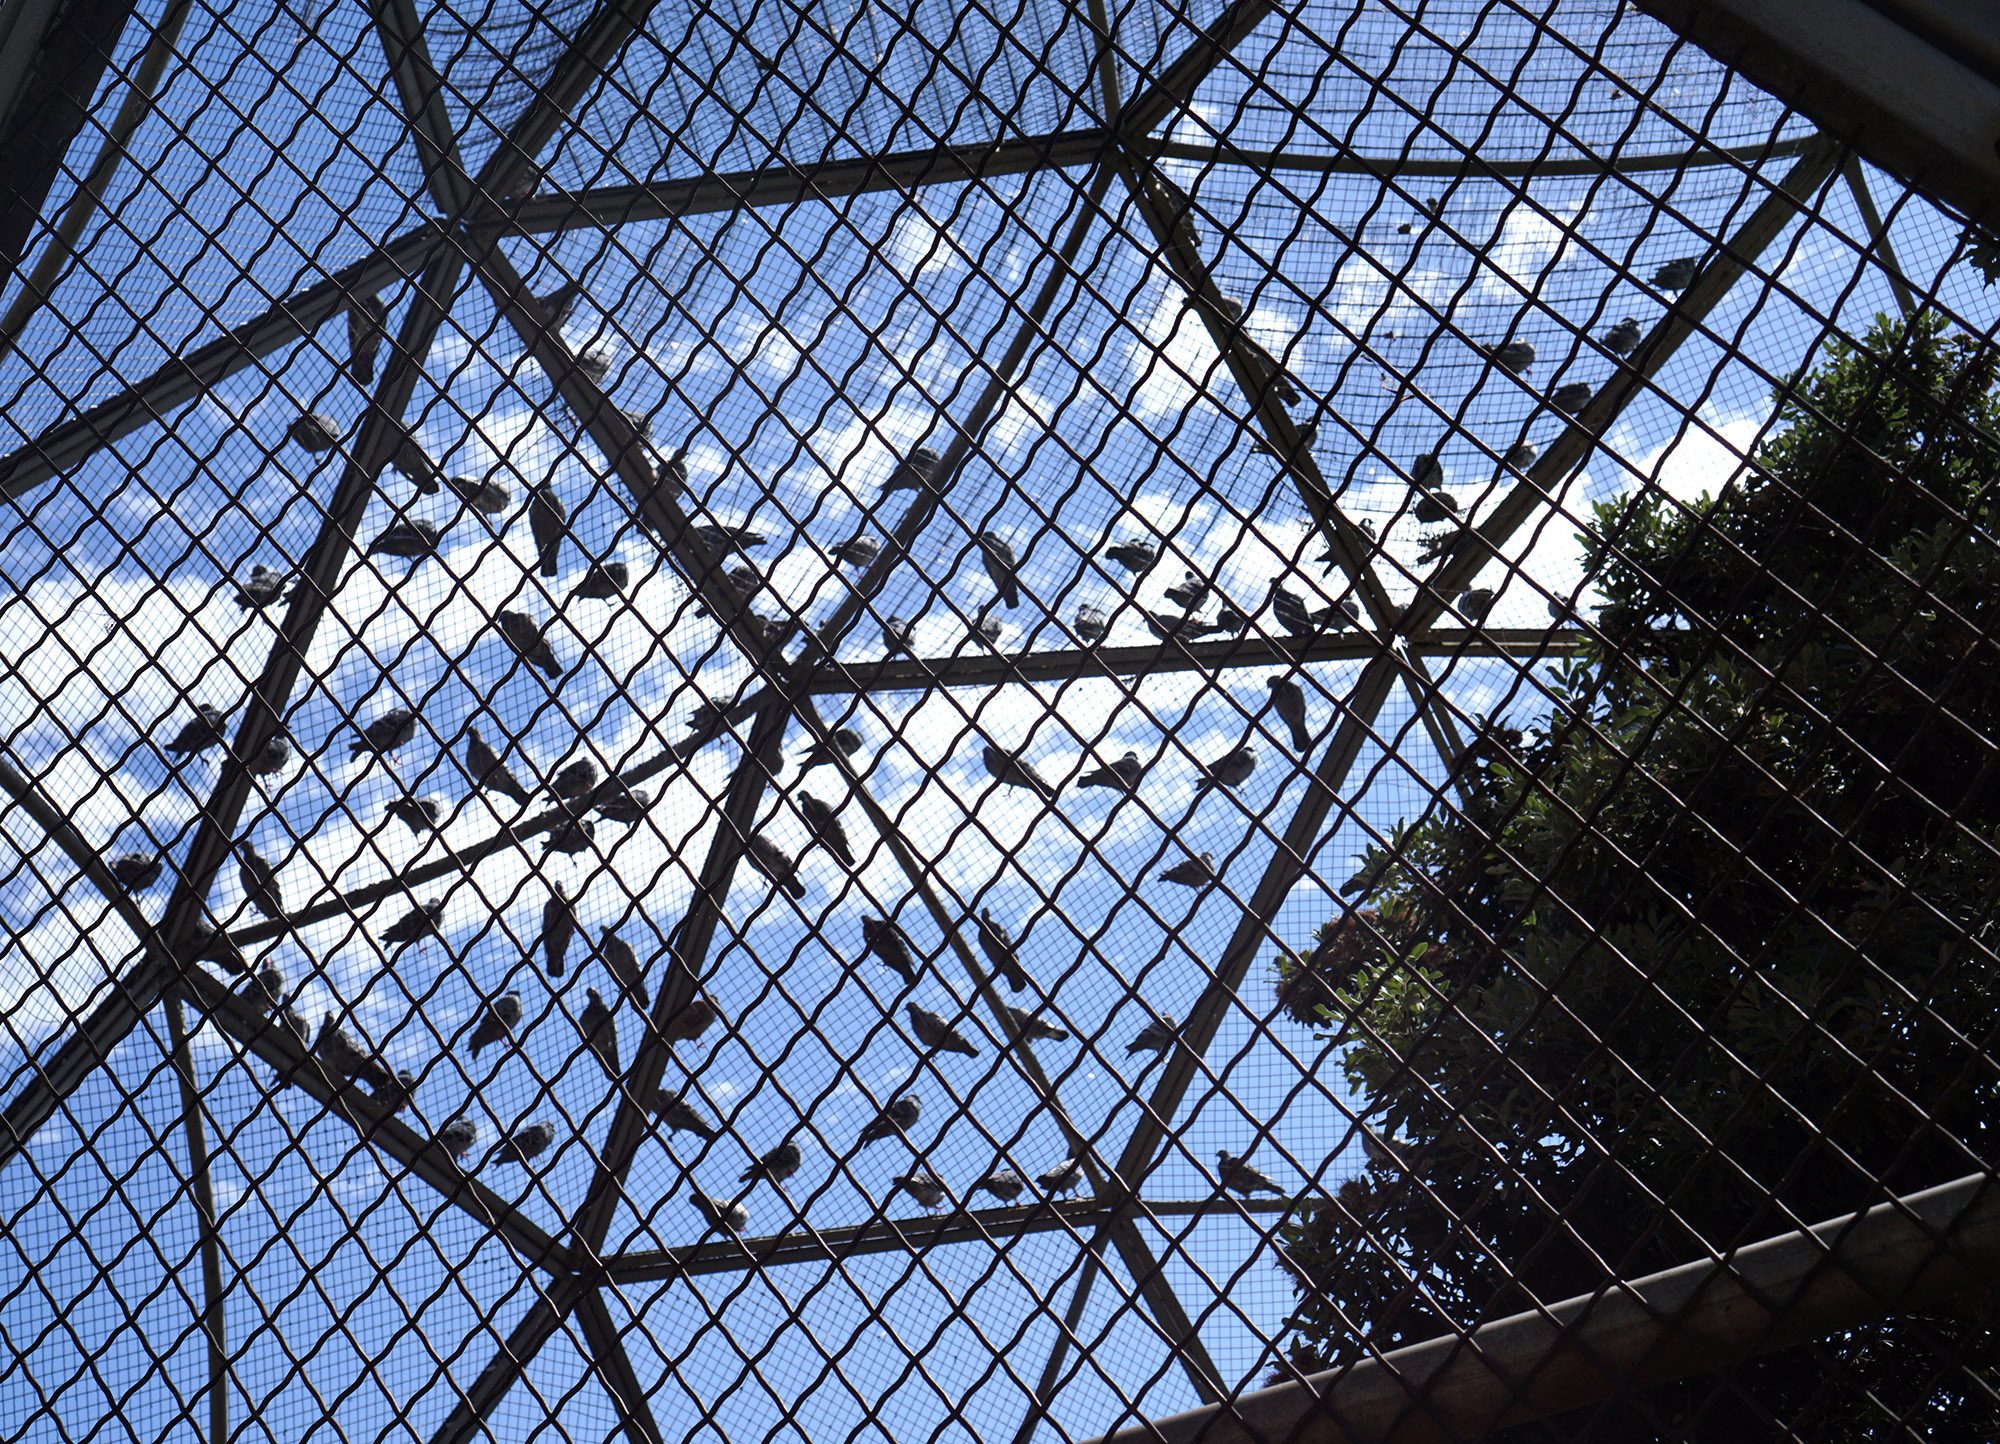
x=1302 y=621
x=681 y=1116
x=415 y=464
x=413 y=538
x=1427 y=470
x=1192 y=872
x=826 y=829
x=579 y=779
x=857 y=551
x=548 y=520
x=496 y=1021
x=1063 y=1178
x=896 y=634
x=558 y=927
x=415 y=925
x=987 y=630
x=1240 y=1177
x=922 y=1185
x=934 y=1032
x=1290 y=700
x=604 y=582
x=692 y=1021
x=622 y=803
x=846 y=739
x=1156 y=1037
x=302 y=1030
x=265 y=991
x=487 y=494
x=260 y=884
x=1570 y=397
x=526 y=638
x=1001 y=566
x=1124 y=774
x=1675 y=275
x=1136 y=557
x=562 y=300
x=202 y=733
x=914 y=472
x=600 y=1031
x=1474 y=603
x=487 y=771
x=1168 y=629
x=367 y=329
x=1621 y=339
x=723 y=540
x=1032 y=1026
x=777 y=1165
x=1003 y=1183
x=265 y=588
x=887 y=942
x=205 y=944
x=1436 y=506
x=571 y=838
x=1091 y=624
x=1229 y=619
x=1011 y=770
x=458 y=1136
x=1513 y=357
x=1190 y=594
x=525 y=1143
x=623 y=965
x=1231 y=771
x=346 y=1058
x=899 y=1117
x=1522 y=455
x=275 y=757
x=999 y=949
x=733 y=1217
x=315 y=432
x=394 y=728
x=775 y=863
x=136 y=871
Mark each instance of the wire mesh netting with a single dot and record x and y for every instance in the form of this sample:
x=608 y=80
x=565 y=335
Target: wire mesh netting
x=775 y=721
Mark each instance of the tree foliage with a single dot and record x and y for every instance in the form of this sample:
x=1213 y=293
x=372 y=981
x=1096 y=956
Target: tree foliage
x=1709 y=947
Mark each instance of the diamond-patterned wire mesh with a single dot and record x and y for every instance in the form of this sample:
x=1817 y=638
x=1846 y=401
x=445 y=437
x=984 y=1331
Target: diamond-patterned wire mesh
x=1670 y=929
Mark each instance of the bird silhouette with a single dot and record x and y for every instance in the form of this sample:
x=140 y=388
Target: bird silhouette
x=1513 y=357
x=413 y=539
x=934 y=1032
x=415 y=465
x=1190 y=593
x=1032 y=1026
x=1195 y=872
x=558 y=927
x=265 y=588
x=136 y=871
x=599 y=1027
x=487 y=771
x=922 y=1185
x=605 y=581
x=577 y=780
x=1156 y=1037
x=898 y=1117
x=691 y=1021
x=525 y=1143
x=571 y=838
x=394 y=728
x=525 y=637
x=999 y=949
x=1136 y=557
x=731 y=1217
x=1622 y=339
x=623 y=803
x=1003 y=1183
x=623 y=965
x=548 y=522
x=845 y=739
x=1521 y=456
x=857 y=551
x=1124 y=774
x=1436 y=506
x=887 y=942
x=201 y=734
x=896 y=634
x=1091 y=624
x=458 y=1136
x=1675 y=275
x=415 y=925
x=1010 y=769
x=496 y=1021
x=1240 y=1177
x=314 y=432
x=1063 y=1178
x=775 y=863
x=487 y=494
x=1474 y=603
x=1570 y=397
x=260 y=884
x=367 y=329
x=914 y=472
x=681 y=1116
x=1289 y=698
x=1001 y=567
x=277 y=754
x=1232 y=770
x=826 y=829
x=777 y=1165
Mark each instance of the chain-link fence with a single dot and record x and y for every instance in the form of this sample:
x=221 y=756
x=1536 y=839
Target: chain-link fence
x=807 y=721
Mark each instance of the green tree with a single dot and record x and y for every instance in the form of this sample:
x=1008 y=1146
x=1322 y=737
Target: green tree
x=1712 y=944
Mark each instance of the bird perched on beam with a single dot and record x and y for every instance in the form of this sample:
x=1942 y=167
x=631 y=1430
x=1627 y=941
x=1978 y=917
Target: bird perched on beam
x=922 y=1185
x=775 y=863
x=623 y=965
x=204 y=732
x=887 y=942
x=525 y=1143
x=729 y=1216
x=825 y=828
x=1001 y=566
x=367 y=329
x=995 y=942
x=1240 y=1177
x=525 y=637
x=415 y=925
x=934 y=1032
x=487 y=771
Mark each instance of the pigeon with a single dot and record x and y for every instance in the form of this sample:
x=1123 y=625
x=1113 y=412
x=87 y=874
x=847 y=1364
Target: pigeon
x=487 y=771
x=1004 y=1184
x=265 y=991
x=826 y=828
x=999 y=950
x=775 y=863
x=577 y=780
x=1513 y=357
x=1124 y=774
x=457 y=1136
x=561 y=301
x=1033 y=1025
x=1675 y=275
x=914 y=472
x=496 y=1021
x=934 y=1032
x=896 y=635
x=604 y=582
x=367 y=329
x=413 y=538
x=1570 y=397
x=1156 y=1037
x=202 y=733
x=899 y=1117
x=526 y=638
x=1290 y=700
x=888 y=942
x=416 y=466
x=594 y=364
x=692 y=1021
x=265 y=588
x=260 y=884
x=415 y=925
x=548 y=520
x=1382 y=1153
x=987 y=630
x=623 y=803
x=1231 y=771
x=1001 y=566
x=681 y=1116
x=1091 y=624
x=1427 y=470
x=1474 y=603
x=1168 y=629
x=922 y=1185
x=623 y=965
x=600 y=1031
x=1190 y=594
x=1012 y=770
x=394 y=728
x=846 y=739
x=571 y=838
x=1192 y=872
x=1436 y=506
x=730 y=1216
x=857 y=551
x=525 y=1143
x=723 y=540
x=275 y=757
x=1136 y=557
x=1302 y=621
x=1623 y=338
x=558 y=927
x=136 y=871
x=1063 y=1178
x=777 y=1165
x=346 y=1058
x=488 y=494
x=314 y=432
x=1522 y=455
x=1230 y=620
x=1241 y=1177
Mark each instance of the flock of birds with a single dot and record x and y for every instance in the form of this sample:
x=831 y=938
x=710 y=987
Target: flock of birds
x=581 y=790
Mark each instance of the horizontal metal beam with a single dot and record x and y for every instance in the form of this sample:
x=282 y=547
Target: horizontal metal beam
x=1387 y=167
x=907 y=1235
x=1699 y=1319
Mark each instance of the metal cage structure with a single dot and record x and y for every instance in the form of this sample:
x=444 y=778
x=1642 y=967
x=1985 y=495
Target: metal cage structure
x=791 y=720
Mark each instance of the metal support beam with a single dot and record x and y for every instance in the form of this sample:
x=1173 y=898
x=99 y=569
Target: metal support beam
x=615 y=1371
x=213 y=1322
x=1045 y=1387
x=1697 y=1320
x=1878 y=233
x=1470 y=168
